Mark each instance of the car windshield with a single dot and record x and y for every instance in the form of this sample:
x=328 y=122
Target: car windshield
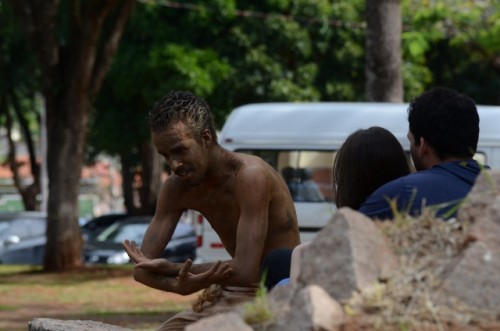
x=118 y=232
x=4 y=225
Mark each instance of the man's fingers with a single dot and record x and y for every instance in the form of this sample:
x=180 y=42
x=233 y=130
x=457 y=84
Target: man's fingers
x=132 y=250
x=126 y=244
x=185 y=268
x=217 y=270
x=150 y=265
x=224 y=271
x=129 y=245
x=216 y=266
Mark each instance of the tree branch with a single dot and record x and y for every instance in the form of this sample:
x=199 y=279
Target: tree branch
x=38 y=22
x=12 y=147
x=88 y=22
x=110 y=45
x=35 y=168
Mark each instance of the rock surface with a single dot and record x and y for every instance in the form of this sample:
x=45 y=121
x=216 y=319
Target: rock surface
x=311 y=308
x=474 y=277
x=221 y=322
x=348 y=254
x=49 y=324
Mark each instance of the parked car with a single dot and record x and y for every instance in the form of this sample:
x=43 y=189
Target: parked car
x=22 y=237
x=106 y=247
x=95 y=226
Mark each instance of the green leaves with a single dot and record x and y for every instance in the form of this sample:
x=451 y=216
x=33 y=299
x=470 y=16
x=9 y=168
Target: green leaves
x=182 y=67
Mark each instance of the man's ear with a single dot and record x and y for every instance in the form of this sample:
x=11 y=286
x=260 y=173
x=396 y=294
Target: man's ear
x=427 y=154
x=206 y=136
x=423 y=147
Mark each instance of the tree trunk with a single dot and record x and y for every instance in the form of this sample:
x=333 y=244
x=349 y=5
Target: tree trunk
x=384 y=81
x=66 y=138
x=151 y=177
x=128 y=173
x=72 y=73
x=142 y=183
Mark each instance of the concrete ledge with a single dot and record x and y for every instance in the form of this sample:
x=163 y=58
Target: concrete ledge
x=49 y=324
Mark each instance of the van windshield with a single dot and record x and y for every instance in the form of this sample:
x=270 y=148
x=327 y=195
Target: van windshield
x=308 y=174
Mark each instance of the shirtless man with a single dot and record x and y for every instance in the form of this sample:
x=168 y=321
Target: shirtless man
x=244 y=199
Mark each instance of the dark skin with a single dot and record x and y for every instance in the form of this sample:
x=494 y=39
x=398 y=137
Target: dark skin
x=242 y=197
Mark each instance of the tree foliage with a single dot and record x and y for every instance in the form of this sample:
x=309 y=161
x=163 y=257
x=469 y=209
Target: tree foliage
x=454 y=44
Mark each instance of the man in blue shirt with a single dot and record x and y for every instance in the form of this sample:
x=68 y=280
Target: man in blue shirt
x=443 y=134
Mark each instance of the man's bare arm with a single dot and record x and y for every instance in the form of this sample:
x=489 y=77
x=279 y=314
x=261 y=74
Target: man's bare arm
x=253 y=194
x=160 y=273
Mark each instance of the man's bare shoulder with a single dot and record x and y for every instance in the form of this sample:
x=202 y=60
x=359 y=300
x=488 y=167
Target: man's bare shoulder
x=254 y=169
x=174 y=192
x=249 y=161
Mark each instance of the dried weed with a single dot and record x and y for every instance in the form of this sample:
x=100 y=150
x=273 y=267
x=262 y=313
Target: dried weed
x=427 y=247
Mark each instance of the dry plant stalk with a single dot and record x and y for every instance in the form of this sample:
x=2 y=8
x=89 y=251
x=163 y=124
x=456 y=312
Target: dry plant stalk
x=426 y=247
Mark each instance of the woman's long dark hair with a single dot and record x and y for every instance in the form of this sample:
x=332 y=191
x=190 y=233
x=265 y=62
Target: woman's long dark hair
x=368 y=159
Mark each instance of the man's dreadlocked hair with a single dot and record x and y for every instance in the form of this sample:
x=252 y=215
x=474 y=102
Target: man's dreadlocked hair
x=182 y=106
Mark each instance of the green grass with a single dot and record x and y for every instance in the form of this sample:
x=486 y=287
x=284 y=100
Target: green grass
x=7 y=308
x=258 y=312
x=106 y=294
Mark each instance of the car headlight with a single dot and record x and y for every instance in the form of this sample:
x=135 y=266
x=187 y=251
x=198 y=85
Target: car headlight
x=118 y=258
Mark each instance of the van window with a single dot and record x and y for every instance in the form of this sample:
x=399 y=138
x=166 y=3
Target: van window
x=308 y=174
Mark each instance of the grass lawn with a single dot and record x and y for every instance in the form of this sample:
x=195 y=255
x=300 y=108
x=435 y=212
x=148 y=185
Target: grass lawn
x=106 y=294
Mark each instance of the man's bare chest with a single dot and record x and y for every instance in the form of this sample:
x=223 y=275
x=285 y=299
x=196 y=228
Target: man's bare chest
x=217 y=203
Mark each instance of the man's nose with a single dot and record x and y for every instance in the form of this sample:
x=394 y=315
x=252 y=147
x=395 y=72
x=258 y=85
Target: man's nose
x=174 y=164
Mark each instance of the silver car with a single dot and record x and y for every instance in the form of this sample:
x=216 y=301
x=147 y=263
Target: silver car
x=22 y=237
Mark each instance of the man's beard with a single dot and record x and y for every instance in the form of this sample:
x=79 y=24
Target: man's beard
x=196 y=181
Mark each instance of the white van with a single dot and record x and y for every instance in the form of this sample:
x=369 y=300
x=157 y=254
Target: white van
x=300 y=141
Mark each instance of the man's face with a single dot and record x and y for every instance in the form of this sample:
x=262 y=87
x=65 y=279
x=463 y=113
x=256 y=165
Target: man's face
x=414 y=152
x=185 y=155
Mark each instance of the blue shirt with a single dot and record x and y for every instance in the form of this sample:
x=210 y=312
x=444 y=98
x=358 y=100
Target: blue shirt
x=442 y=187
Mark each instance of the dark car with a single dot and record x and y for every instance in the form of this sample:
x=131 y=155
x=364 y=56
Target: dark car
x=22 y=237
x=106 y=247
x=93 y=227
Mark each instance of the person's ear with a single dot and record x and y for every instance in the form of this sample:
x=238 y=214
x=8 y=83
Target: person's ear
x=206 y=136
x=427 y=154
x=423 y=147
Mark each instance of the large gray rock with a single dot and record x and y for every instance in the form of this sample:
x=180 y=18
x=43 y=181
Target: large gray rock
x=310 y=309
x=49 y=324
x=482 y=194
x=347 y=255
x=473 y=277
x=279 y=300
x=221 y=322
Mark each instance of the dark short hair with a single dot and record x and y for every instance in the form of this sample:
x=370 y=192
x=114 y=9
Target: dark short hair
x=447 y=120
x=367 y=159
x=182 y=106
